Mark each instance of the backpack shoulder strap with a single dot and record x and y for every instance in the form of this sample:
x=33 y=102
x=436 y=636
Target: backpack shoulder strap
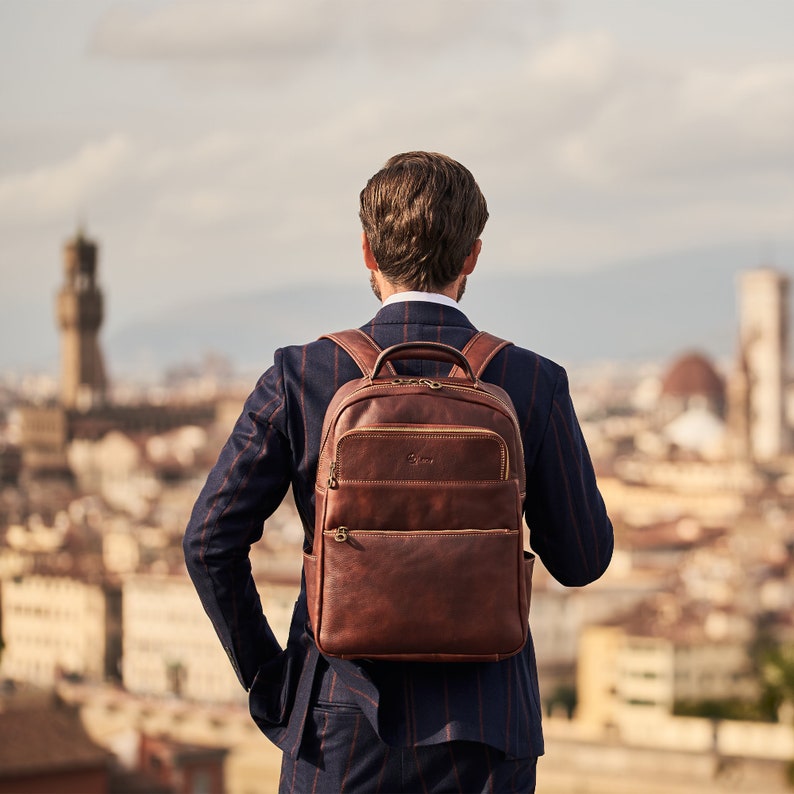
x=480 y=350
x=361 y=347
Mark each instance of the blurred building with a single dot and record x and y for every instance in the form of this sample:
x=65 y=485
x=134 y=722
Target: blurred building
x=10 y=463
x=80 y=315
x=692 y=380
x=759 y=427
x=174 y=767
x=560 y=614
x=170 y=647
x=691 y=408
x=694 y=412
x=45 y=748
x=85 y=409
x=55 y=626
x=662 y=653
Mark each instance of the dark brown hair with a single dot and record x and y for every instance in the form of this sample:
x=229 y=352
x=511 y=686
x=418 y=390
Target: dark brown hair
x=422 y=213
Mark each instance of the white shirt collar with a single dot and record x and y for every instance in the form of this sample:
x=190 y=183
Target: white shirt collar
x=426 y=297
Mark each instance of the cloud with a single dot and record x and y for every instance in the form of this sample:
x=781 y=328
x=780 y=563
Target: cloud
x=196 y=182
x=204 y=152
x=225 y=41
x=663 y=127
x=586 y=118
x=67 y=187
x=212 y=31
x=587 y=151
x=578 y=61
x=600 y=153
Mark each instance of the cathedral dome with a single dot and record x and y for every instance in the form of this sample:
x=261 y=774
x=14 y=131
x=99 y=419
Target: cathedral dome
x=693 y=375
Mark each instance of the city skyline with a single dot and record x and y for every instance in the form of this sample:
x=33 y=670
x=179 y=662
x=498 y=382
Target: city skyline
x=96 y=604
x=217 y=153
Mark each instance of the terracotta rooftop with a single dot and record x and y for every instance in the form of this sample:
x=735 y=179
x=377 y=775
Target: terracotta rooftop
x=41 y=733
x=672 y=617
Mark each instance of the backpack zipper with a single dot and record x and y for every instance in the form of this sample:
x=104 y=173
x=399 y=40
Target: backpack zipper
x=343 y=534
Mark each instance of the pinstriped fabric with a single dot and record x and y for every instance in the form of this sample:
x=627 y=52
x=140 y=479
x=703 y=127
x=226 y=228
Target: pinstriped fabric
x=503 y=372
x=334 y=679
x=361 y=693
x=480 y=711
x=302 y=400
x=419 y=776
x=358 y=683
x=352 y=754
x=568 y=495
x=207 y=526
x=454 y=765
x=523 y=699
x=410 y=712
x=508 y=704
x=489 y=767
x=343 y=754
x=276 y=442
x=240 y=632
x=446 y=709
x=581 y=466
x=382 y=773
x=322 y=748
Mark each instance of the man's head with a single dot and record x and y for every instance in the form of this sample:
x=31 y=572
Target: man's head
x=422 y=214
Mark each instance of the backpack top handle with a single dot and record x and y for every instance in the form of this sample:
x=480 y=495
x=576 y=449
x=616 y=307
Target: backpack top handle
x=427 y=351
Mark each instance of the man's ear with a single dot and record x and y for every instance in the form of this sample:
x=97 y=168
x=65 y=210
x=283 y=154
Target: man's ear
x=471 y=260
x=369 y=257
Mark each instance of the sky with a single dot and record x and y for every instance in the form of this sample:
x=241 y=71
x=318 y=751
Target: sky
x=218 y=148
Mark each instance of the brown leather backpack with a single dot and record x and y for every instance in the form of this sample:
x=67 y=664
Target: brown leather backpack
x=418 y=547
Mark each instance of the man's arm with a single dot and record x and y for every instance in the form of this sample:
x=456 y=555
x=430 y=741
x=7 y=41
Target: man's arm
x=245 y=486
x=569 y=526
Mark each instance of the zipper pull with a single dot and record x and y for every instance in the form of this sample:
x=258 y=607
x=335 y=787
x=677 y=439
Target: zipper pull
x=332 y=481
x=340 y=536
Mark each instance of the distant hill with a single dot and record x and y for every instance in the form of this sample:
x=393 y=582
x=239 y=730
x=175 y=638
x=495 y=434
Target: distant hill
x=648 y=310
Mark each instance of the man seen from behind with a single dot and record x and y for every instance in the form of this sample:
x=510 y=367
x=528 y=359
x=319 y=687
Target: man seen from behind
x=383 y=726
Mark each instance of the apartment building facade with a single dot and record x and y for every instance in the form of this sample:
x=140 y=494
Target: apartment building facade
x=55 y=626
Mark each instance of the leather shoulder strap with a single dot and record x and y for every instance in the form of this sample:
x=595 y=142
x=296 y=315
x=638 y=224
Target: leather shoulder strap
x=361 y=347
x=480 y=350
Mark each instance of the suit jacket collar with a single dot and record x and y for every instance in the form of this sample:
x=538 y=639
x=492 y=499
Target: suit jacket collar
x=420 y=313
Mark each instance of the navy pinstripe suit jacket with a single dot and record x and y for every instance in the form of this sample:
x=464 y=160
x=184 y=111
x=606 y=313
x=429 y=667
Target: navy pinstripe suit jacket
x=275 y=445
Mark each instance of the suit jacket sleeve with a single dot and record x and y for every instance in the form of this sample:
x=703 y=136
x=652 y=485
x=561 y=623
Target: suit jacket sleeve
x=243 y=489
x=569 y=526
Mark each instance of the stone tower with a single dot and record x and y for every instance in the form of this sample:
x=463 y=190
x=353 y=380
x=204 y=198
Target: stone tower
x=760 y=381
x=79 y=306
